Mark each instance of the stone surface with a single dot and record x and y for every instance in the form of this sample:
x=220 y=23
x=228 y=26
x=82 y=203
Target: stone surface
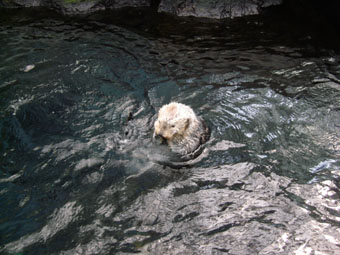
x=312 y=12
x=217 y=9
x=76 y=6
x=20 y=3
x=199 y=8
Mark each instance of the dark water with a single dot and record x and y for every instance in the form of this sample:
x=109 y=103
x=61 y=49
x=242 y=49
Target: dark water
x=78 y=102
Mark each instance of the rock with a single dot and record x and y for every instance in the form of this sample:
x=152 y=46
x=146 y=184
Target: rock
x=20 y=3
x=217 y=9
x=199 y=8
x=73 y=6
x=76 y=6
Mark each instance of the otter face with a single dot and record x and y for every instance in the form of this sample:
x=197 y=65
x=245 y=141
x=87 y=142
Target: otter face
x=169 y=129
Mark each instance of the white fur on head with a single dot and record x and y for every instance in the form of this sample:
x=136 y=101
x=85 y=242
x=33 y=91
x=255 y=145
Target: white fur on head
x=179 y=126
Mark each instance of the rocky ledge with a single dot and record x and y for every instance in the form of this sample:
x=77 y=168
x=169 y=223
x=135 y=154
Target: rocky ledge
x=315 y=14
x=217 y=9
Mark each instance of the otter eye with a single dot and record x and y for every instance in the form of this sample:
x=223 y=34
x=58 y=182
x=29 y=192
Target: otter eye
x=172 y=126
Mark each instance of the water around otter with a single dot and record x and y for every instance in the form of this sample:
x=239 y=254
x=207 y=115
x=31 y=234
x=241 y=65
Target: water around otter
x=78 y=102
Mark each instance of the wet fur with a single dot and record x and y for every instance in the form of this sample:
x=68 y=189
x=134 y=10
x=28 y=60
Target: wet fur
x=183 y=131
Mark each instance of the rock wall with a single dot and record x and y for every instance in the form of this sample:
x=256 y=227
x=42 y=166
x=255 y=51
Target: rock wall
x=314 y=13
x=76 y=6
x=217 y=9
x=199 y=8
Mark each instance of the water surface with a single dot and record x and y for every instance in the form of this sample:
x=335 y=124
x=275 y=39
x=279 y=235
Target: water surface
x=78 y=175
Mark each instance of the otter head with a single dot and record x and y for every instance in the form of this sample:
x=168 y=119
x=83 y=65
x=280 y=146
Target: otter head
x=171 y=124
x=169 y=130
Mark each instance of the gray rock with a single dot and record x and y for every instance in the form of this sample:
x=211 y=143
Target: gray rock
x=20 y=3
x=73 y=7
x=217 y=9
x=76 y=6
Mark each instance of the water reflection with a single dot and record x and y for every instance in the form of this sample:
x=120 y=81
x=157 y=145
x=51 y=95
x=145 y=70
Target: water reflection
x=80 y=173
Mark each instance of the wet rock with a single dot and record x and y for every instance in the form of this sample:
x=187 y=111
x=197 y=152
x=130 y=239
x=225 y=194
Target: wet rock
x=83 y=7
x=75 y=6
x=20 y=3
x=198 y=8
x=215 y=9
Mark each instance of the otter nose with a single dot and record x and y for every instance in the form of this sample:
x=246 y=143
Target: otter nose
x=160 y=138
